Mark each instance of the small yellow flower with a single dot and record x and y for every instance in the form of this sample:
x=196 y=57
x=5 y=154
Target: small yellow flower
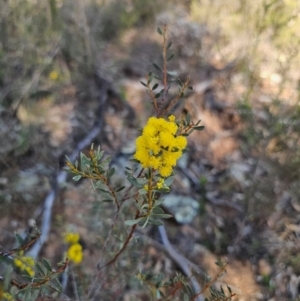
x=171 y=118
x=71 y=238
x=146 y=187
x=160 y=184
x=53 y=75
x=74 y=253
x=25 y=263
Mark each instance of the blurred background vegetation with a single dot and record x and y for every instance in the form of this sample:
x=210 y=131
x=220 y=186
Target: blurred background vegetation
x=243 y=57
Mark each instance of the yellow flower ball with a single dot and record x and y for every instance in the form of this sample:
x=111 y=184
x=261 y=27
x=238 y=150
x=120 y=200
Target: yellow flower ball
x=71 y=238
x=74 y=253
x=158 y=147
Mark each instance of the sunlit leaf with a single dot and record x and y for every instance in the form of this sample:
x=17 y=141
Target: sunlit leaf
x=77 y=178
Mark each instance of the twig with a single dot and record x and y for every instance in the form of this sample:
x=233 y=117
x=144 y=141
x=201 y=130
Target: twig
x=180 y=261
x=210 y=283
x=165 y=59
x=175 y=99
x=123 y=247
x=74 y=285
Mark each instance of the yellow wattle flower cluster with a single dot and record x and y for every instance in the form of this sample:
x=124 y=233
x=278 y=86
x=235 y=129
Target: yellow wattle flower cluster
x=25 y=263
x=158 y=147
x=74 y=252
x=71 y=238
x=160 y=184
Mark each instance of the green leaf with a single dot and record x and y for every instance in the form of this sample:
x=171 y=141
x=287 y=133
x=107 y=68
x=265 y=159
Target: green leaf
x=99 y=154
x=170 y=57
x=155 y=222
x=56 y=284
x=35 y=293
x=101 y=186
x=157 y=210
x=144 y=84
x=199 y=128
x=157 y=67
x=218 y=263
x=159 y=202
x=120 y=188
x=28 y=296
x=36 y=280
x=190 y=88
x=85 y=162
x=7 y=277
x=111 y=172
x=159 y=31
x=169 y=45
x=142 y=181
x=47 y=264
x=107 y=201
x=41 y=269
x=157 y=95
x=19 y=239
x=68 y=159
x=179 y=82
x=190 y=132
x=106 y=161
x=188 y=118
x=154 y=87
x=143 y=191
x=77 y=178
x=132 y=222
x=168 y=181
x=132 y=180
x=134 y=160
x=162 y=215
x=150 y=78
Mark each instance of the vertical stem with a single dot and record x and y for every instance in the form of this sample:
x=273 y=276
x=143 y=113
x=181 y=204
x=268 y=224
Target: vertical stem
x=124 y=245
x=150 y=191
x=165 y=74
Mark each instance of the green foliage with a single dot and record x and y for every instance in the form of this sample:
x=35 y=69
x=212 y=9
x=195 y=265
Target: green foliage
x=38 y=279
